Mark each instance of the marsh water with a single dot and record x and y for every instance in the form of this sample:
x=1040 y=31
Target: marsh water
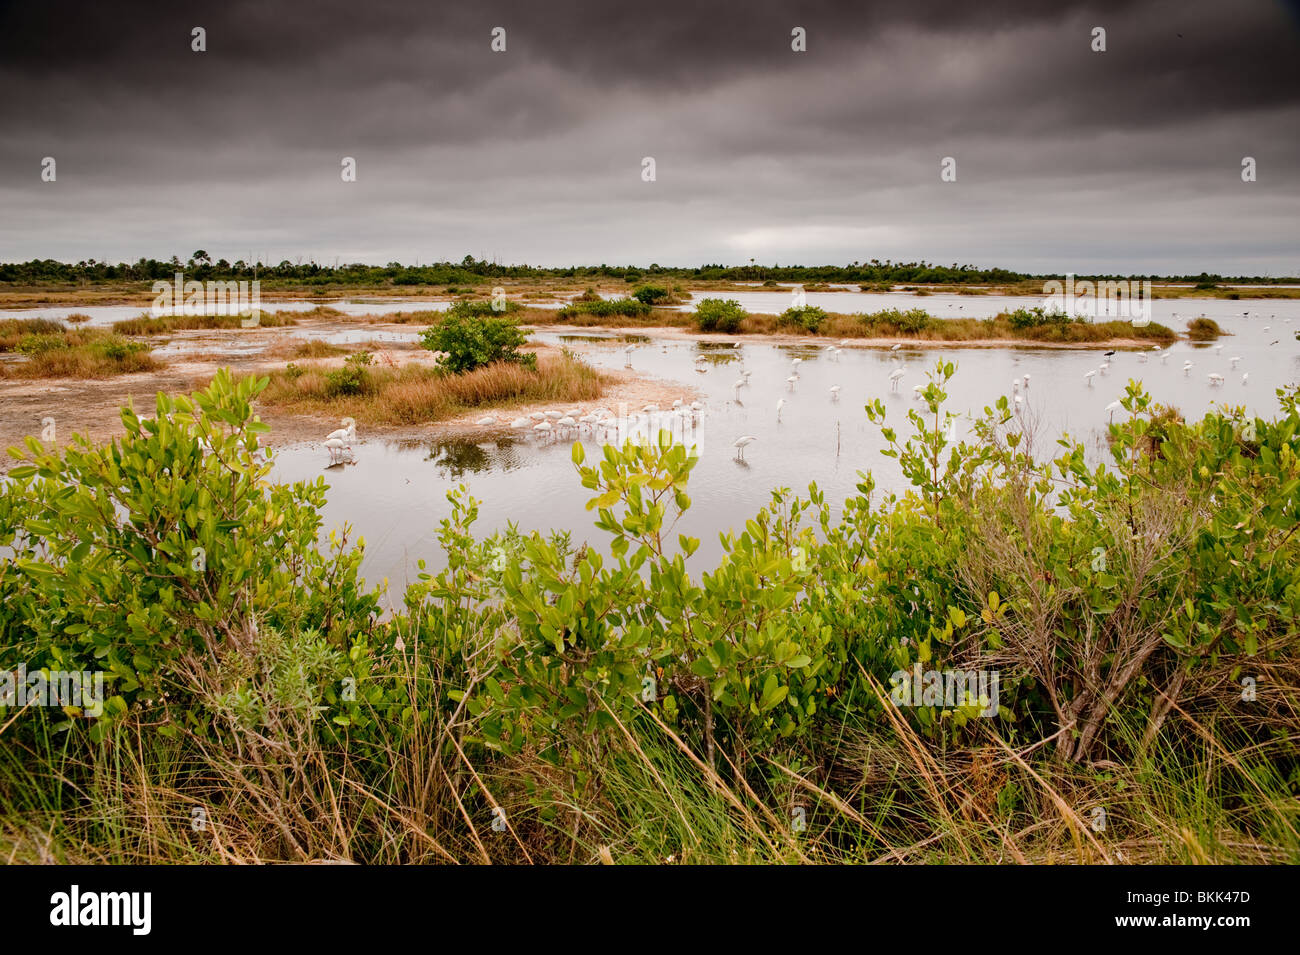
x=395 y=494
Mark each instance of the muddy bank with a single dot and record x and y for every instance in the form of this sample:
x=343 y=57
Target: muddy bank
x=91 y=407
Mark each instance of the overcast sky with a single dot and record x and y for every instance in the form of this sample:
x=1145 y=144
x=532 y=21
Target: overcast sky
x=1067 y=159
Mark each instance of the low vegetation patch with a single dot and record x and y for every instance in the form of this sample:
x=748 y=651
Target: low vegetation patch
x=719 y=315
x=419 y=394
x=52 y=350
x=1017 y=659
x=604 y=308
x=166 y=324
x=1204 y=330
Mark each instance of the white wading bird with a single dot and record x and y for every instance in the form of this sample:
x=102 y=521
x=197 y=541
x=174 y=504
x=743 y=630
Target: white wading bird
x=740 y=443
x=336 y=441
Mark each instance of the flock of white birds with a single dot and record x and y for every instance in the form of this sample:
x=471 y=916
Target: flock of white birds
x=601 y=422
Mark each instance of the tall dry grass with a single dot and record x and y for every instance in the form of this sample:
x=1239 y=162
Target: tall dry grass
x=165 y=324
x=51 y=350
x=417 y=394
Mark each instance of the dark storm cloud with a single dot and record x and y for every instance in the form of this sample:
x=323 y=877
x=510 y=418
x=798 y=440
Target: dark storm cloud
x=1067 y=158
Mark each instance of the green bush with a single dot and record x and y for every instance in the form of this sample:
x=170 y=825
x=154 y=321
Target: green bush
x=117 y=348
x=32 y=345
x=651 y=294
x=718 y=315
x=468 y=343
x=807 y=318
x=481 y=309
x=352 y=379
x=629 y=307
x=150 y=557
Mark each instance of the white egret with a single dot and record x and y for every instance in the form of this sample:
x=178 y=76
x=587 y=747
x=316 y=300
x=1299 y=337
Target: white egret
x=835 y=392
x=337 y=441
x=1088 y=376
x=1233 y=360
x=780 y=403
x=740 y=443
x=1112 y=408
x=894 y=375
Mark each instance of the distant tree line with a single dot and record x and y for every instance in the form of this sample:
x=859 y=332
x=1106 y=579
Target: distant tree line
x=470 y=271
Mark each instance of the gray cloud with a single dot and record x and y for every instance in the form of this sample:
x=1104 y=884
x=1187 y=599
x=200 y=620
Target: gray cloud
x=1067 y=159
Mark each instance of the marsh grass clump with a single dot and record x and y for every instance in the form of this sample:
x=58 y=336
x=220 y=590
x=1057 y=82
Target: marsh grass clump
x=166 y=324
x=52 y=350
x=418 y=394
x=316 y=348
x=1204 y=330
x=481 y=308
x=13 y=330
x=604 y=308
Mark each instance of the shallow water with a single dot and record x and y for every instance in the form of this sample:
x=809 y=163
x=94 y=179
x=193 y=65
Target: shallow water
x=395 y=495
x=104 y=315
